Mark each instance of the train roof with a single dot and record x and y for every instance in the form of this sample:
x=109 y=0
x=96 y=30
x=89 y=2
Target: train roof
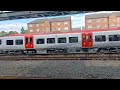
x=70 y=32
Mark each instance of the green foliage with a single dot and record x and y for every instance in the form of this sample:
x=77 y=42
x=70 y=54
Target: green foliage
x=3 y=33
x=12 y=32
x=23 y=31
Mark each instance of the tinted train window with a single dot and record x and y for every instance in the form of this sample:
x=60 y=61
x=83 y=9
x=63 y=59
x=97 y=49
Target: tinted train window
x=84 y=38
x=30 y=40
x=62 y=40
x=50 y=40
x=0 y=42
x=89 y=38
x=19 y=42
x=100 y=38
x=114 y=37
x=9 y=42
x=26 y=40
x=73 y=39
x=40 y=41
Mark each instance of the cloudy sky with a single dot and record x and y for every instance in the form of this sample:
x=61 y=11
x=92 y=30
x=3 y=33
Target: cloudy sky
x=16 y=25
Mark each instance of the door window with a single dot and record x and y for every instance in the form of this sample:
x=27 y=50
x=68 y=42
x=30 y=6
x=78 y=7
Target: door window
x=26 y=40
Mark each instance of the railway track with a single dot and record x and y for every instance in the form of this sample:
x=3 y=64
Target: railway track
x=17 y=77
x=62 y=57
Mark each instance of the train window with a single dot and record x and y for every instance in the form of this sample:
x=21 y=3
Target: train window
x=19 y=42
x=30 y=40
x=40 y=41
x=84 y=38
x=0 y=42
x=26 y=40
x=50 y=40
x=100 y=38
x=89 y=38
x=73 y=39
x=62 y=40
x=114 y=37
x=9 y=42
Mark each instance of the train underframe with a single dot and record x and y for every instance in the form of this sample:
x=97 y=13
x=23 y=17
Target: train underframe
x=100 y=50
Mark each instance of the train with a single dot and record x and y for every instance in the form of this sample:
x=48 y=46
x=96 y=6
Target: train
x=79 y=41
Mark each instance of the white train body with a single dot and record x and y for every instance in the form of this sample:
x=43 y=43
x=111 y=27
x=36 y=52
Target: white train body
x=85 y=41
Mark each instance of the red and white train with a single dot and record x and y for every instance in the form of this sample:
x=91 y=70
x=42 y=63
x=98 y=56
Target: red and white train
x=88 y=41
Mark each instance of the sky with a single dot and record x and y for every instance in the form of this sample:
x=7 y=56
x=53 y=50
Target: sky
x=78 y=20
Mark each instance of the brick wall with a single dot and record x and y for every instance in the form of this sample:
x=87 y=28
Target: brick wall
x=118 y=21
x=60 y=26
x=111 y=21
x=48 y=26
x=99 y=23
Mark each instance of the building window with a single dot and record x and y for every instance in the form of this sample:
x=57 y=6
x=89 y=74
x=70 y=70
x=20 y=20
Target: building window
x=105 y=25
x=0 y=42
x=42 y=29
x=59 y=29
x=40 y=41
x=19 y=42
x=98 y=20
x=89 y=21
x=37 y=25
x=118 y=19
x=47 y=29
x=89 y=26
x=37 y=30
x=62 y=40
x=9 y=42
x=98 y=26
x=30 y=25
x=58 y=23
x=52 y=23
x=31 y=30
x=114 y=37
x=66 y=28
x=112 y=24
x=73 y=39
x=65 y=22
x=118 y=25
x=50 y=40
x=105 y=19
x=100 y=38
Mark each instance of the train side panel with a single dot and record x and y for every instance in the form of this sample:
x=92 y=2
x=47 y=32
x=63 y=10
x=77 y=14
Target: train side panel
x=106 y=43
x=56 y=44
x=14 y=46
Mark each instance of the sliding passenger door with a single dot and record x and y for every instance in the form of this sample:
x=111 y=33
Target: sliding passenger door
x=87 y=41
x=29 y=42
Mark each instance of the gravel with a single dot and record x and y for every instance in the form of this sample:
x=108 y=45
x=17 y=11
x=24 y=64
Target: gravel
x=62 y=69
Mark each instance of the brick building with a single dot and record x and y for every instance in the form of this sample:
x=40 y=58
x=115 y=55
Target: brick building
x=50 y=25
x=102 y=20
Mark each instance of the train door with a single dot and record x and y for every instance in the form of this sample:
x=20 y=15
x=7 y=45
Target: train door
x=87 y=41
x=29 y=42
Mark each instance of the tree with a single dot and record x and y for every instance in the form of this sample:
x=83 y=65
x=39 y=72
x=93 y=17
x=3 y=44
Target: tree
x=23 y=31
x=3 y=33
x=13 y=32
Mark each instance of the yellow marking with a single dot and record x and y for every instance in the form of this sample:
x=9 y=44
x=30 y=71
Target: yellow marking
x=28 y=39
x=86 y=37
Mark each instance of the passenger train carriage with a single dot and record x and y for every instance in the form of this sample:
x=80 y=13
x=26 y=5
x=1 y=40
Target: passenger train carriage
x=85 y=41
